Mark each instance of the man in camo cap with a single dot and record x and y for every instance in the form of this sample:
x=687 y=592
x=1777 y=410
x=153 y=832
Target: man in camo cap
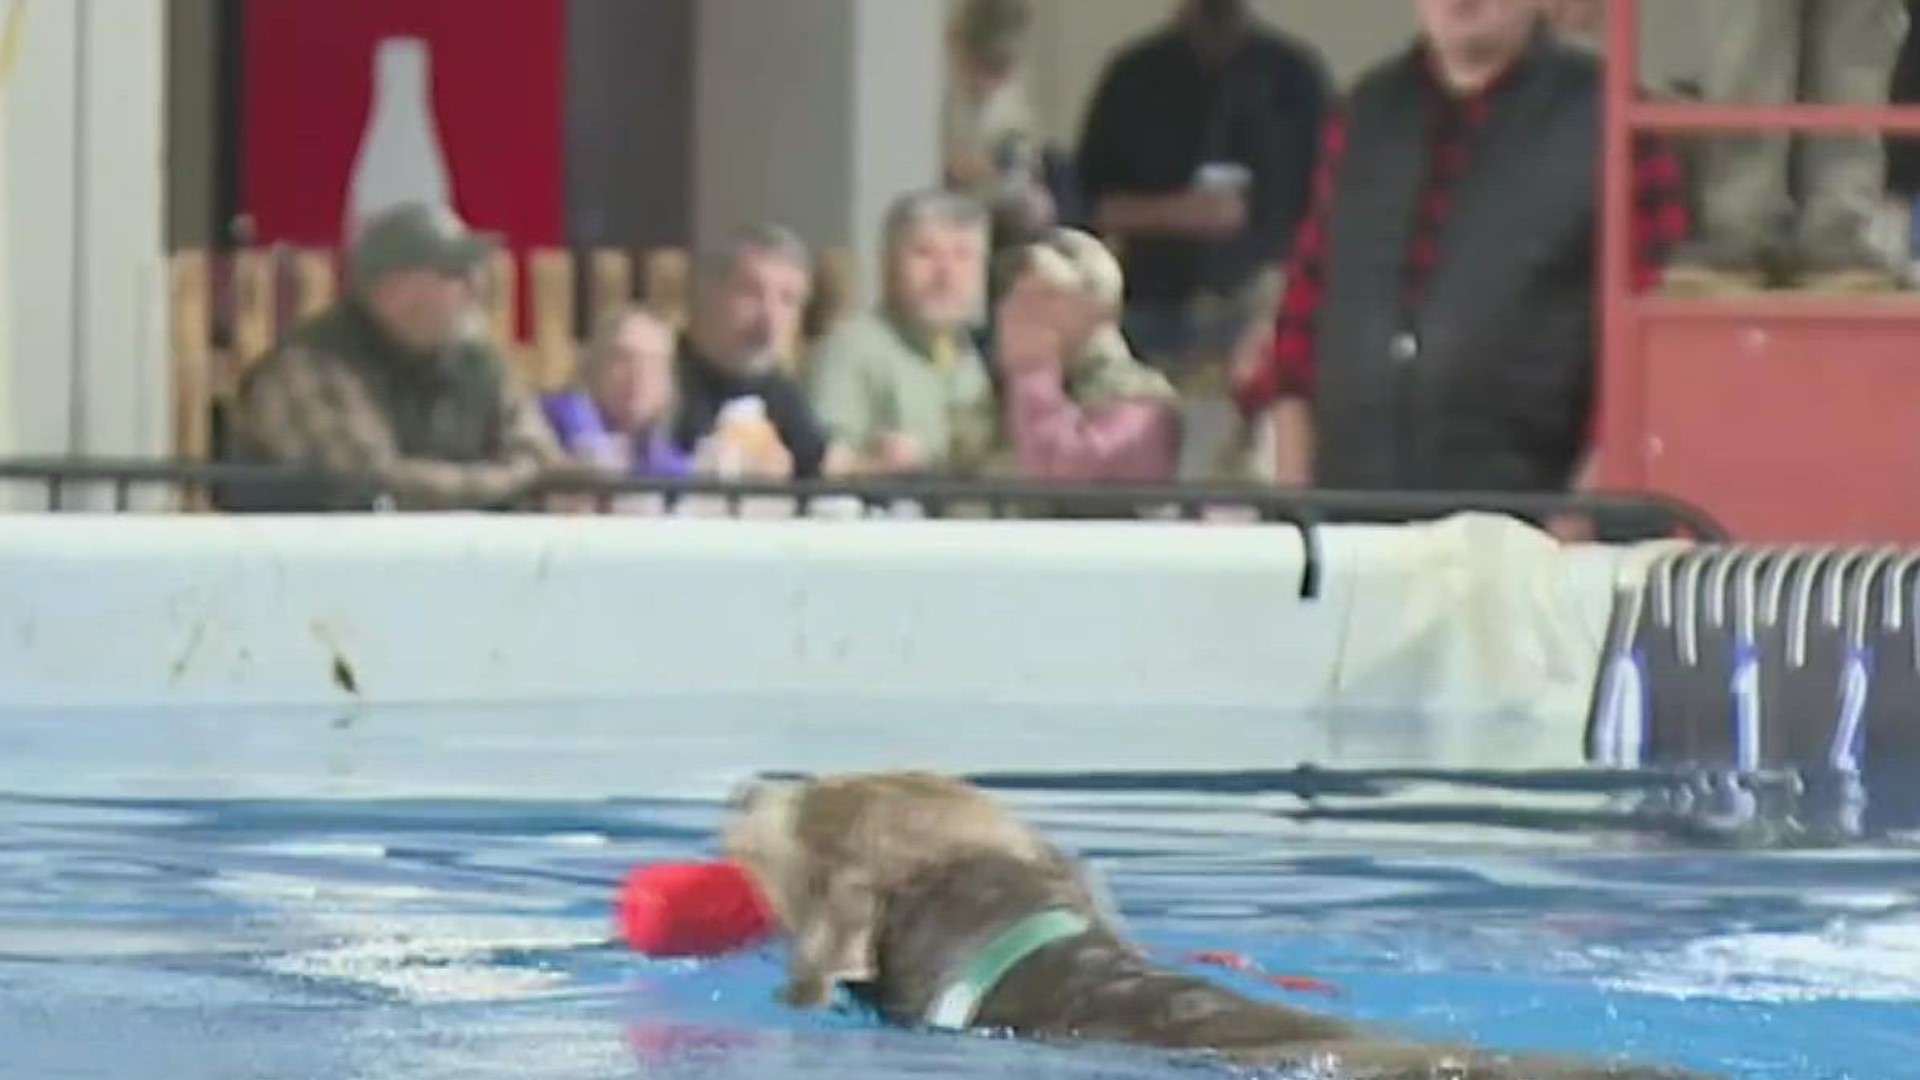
x=396 y=383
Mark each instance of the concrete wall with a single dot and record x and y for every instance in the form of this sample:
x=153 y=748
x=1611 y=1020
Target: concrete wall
x=813 y=114
x=84 y=215
x=192 y=136
x=1464 y=642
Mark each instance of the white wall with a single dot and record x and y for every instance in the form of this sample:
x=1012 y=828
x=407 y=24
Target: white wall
x=83 y=155
x=1466 y=642
x=1074 y=39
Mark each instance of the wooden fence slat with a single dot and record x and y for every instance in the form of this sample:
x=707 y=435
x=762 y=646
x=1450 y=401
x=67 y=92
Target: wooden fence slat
x=610 y=284
x=190 y=297
x=836 y=279
x=254 y=293
x=669 y=286
x=315 y=282
x=190 y=292
x=552 y=274
x=501 y=287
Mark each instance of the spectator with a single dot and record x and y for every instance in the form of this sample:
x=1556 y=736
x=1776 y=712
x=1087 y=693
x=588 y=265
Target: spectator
x=620 y=412
x=395 y=384
x=1775 y=52
x=1438 y=325
x=1196 y=158
x=740 y=413
x=1079 y=406
x=904 y=386
x=993 y=144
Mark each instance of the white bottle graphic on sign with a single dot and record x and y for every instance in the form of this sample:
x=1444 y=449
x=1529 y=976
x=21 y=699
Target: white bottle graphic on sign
x=400 y=159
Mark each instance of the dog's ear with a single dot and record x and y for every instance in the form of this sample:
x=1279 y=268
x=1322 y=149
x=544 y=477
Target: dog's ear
x=748 y=794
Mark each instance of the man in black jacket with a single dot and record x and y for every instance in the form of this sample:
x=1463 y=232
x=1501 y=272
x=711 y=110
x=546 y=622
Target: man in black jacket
x=1196 y=159
x=1438 y=330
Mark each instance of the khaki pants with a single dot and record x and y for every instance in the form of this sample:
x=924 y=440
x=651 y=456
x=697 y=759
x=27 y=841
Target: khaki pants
x=1777 y=52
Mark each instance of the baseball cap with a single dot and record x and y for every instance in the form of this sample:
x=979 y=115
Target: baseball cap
x=418 y=236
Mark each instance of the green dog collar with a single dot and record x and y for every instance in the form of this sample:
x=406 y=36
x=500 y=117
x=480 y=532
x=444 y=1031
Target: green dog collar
x=954 y=1008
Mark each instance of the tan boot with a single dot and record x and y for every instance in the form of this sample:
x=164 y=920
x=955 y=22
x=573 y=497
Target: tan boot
x=1843 y=264
x=1717 y=267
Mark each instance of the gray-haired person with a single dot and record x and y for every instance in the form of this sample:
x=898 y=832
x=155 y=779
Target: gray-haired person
x=903 y=386
x=733 y=385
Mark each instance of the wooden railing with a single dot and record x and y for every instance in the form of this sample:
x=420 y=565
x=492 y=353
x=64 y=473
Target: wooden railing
x=229 y=309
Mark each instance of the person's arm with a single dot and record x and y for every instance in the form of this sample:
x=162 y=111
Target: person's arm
x=843 y=403
x=1282 y=378
x=525 y=434
x=1055 y=438
x=1661 y=223
x=304 y=408
x=1116 y=206
x=840 y=394
x=798 y=424
x=1284 y=184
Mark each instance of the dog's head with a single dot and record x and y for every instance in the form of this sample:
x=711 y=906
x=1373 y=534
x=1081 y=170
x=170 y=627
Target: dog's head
x=797 y=835
x=762 y=834
x=827 y=851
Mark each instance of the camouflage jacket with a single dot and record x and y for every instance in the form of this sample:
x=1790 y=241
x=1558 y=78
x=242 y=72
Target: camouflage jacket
x=454 y=430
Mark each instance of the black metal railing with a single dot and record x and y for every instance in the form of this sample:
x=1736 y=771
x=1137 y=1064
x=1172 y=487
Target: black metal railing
x=1647 y=515
x=264 y=488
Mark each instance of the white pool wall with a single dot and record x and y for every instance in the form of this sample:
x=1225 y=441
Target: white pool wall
x=1475 y=614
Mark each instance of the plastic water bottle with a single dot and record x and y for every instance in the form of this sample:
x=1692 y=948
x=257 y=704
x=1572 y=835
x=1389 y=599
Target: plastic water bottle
x=731 y=461
x=400 y=158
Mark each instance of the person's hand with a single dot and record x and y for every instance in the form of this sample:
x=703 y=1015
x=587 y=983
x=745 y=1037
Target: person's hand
x=1250 y=354
x=897 y=452
x=1575 y=527
x=773 y=462
x=1571 y=528
x=1211 y=213
x=1041 y=324
x=571 y=474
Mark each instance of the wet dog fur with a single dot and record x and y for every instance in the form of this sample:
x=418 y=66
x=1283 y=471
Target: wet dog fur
x=827 y=852
x=887 y=882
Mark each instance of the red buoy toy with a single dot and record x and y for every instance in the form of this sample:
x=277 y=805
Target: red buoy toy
x=688 y=909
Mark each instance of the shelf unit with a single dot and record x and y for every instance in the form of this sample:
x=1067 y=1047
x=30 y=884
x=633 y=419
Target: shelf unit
x=1790 y=417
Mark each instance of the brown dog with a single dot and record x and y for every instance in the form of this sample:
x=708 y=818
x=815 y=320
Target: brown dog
x=827 y=851
x=934 y=905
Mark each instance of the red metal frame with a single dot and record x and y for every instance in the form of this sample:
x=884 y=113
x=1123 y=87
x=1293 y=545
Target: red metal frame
x=1695 y=393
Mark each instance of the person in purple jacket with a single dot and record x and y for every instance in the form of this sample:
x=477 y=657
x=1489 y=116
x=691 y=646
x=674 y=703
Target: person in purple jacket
x=618 y=414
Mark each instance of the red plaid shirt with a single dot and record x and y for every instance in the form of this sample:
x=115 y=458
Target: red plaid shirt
x=1288 y=367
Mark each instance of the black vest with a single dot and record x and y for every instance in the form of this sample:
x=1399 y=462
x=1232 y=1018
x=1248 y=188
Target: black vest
x=1485 y=384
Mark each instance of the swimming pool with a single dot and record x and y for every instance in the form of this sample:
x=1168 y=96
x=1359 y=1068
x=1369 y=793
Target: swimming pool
x=424 y=893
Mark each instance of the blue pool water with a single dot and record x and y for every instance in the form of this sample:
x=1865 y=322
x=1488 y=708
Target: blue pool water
x=361 y=898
